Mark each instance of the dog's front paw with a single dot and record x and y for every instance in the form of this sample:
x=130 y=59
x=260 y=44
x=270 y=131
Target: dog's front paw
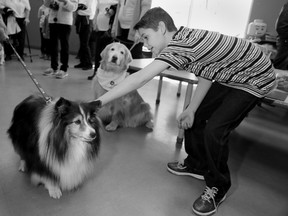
x=150 y=125
x=22 y=166
x=54 y=192
x=112 y=126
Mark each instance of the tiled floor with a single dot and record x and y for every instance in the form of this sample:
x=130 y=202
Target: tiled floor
x=130 y=177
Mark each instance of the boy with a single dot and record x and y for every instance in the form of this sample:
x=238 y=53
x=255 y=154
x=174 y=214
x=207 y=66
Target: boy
x=233 y=74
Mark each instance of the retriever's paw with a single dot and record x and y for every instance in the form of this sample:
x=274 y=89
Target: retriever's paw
x=150 y=125
x=112 y=126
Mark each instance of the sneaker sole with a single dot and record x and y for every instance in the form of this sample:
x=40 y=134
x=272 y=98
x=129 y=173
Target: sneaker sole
x=62 y=77
x=211 y=212
x=200 y=177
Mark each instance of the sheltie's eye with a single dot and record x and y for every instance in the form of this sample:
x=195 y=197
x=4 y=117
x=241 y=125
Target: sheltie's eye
x=77 y=122
x=92 y=119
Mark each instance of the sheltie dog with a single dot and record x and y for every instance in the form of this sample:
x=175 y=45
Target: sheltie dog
x=57 y=142
x=127 y=111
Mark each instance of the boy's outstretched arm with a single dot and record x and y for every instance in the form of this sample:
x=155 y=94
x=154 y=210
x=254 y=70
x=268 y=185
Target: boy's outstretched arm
x=134 y=81
x=186 y=118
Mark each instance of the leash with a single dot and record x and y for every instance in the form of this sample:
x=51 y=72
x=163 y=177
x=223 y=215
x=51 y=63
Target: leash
x=46 y=97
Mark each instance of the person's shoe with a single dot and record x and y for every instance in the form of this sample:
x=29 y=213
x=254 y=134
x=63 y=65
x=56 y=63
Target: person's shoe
x=61 y=74
x=50 y=72
x=208 y=202
x=80 y=65
x=87 y=67
x=182 y=170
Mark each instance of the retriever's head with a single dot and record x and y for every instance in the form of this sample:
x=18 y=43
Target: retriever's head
x=115 y=57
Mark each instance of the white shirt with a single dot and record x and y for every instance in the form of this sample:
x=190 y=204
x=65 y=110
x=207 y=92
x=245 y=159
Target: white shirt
x=18 y=6
x=126 y=13
x=102 y=18
x=91 y=8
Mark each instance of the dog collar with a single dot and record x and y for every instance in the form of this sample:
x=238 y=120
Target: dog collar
x=109 y=79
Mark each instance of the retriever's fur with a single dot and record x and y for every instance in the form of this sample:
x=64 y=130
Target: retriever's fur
x=127 y=111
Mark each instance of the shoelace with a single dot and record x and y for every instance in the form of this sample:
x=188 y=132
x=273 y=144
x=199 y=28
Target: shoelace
x=209 y=193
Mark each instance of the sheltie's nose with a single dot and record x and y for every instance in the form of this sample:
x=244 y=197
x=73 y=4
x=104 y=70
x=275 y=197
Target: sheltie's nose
x=93 y=135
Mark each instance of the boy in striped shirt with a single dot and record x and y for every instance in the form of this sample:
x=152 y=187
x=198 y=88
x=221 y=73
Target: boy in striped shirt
x=233 y=75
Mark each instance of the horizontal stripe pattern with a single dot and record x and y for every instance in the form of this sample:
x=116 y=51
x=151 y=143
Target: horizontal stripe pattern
x=228 y=60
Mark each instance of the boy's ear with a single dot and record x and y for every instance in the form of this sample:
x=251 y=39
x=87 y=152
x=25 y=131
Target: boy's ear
x=162 y=27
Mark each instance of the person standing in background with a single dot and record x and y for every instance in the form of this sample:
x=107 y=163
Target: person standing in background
x=60 y=25
x=102 y=22
x=43 y=12
x=83 y=23
x=21 y=11
x=128 y=14
x=281 y=59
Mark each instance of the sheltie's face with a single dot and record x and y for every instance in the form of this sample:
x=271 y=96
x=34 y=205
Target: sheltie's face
x=80 y=125
x=67 y=126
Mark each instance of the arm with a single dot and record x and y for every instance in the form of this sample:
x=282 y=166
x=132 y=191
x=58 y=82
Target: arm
x=27 y=14
x=186 y=119
x=134 y=81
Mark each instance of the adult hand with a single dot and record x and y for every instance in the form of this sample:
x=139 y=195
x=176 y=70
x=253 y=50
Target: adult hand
x=26 y=21
x=186 y=119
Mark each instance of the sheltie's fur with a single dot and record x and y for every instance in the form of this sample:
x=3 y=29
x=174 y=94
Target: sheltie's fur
x=127 y=111
x=57 y=142
x=2 y=54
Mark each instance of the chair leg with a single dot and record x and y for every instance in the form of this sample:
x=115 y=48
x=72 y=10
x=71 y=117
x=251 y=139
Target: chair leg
x=188 y=96
x=159 y=89
x=179 y=89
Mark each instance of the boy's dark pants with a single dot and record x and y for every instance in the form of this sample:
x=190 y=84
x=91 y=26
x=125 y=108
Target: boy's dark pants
x=206 y=143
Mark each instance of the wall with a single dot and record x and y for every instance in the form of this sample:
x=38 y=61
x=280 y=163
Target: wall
x=267 y=10
x=34 y=33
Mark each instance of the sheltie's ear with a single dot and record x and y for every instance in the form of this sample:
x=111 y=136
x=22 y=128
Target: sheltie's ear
x=62 y=105
x=95 y=105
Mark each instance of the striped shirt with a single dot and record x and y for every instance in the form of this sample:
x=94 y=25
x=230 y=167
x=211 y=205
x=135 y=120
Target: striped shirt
x=228 y=60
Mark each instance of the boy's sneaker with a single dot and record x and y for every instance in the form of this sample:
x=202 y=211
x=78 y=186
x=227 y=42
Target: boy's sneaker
x=50 y=72
x=180 y=169
x=61 y=74
x=208 y=202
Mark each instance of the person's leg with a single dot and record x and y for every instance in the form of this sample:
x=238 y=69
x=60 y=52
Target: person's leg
x=99 y=46
x=21 y=37
x=281 y=59
x=42 y=44
x=54 y=31
x=64 y=36
x=85 y=57
x=228 y=114
x=195 y=163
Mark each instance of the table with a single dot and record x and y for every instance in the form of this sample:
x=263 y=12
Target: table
x=180 y=75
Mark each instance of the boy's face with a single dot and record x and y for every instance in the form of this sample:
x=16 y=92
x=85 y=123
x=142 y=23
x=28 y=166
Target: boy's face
x=153 y=40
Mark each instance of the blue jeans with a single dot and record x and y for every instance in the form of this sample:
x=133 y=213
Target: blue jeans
x=59 y=32
x=206 y=143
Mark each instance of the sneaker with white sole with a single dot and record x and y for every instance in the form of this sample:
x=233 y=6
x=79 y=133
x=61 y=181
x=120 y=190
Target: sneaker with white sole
x=50 y=72
x=181 y=169
x=208 y=202
x=61 y=74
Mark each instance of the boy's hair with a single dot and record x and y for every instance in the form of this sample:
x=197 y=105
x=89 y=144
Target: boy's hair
x=152 y=18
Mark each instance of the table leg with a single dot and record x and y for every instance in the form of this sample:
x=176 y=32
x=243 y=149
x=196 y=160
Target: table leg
x=159 y=89
x=187 y=100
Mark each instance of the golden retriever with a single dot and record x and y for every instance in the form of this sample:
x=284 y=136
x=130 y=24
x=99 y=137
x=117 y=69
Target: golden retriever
x=129 y=110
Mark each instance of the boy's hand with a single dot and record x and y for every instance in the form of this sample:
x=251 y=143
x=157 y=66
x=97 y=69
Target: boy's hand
x=185 y=119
